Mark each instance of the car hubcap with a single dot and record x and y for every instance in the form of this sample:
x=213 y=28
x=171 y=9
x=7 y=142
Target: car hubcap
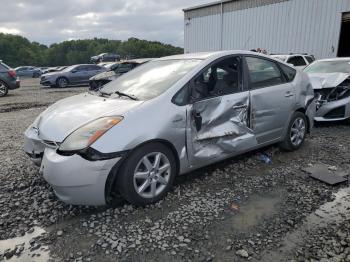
x=63 y=82
x=297 y=132
x=152 y=175
x=2 y=89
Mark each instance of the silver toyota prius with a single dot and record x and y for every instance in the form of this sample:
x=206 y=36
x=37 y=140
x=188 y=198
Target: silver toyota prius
x=166 y=118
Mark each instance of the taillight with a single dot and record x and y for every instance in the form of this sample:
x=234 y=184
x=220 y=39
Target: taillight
x=12 y=73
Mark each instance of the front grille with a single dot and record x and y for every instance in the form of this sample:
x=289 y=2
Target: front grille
x=338 y=112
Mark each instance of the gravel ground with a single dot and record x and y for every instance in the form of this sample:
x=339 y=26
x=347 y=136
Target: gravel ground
x=237 y=210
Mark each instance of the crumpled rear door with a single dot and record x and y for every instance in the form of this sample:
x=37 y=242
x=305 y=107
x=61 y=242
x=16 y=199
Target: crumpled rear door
x=224 y=129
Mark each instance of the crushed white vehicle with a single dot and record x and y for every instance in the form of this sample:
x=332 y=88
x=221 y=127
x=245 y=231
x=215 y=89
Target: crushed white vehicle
x=331 y=82
x=168 y=117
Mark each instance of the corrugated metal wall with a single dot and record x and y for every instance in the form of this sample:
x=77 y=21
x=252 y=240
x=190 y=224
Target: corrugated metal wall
x=279 y=26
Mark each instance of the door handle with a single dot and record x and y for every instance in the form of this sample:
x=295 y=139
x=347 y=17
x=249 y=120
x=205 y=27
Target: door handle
x=240 y=107
x=289 y=94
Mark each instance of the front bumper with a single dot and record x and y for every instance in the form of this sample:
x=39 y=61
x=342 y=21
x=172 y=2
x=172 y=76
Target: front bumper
x=46 y=82
x=75 y=180
x=334 y=111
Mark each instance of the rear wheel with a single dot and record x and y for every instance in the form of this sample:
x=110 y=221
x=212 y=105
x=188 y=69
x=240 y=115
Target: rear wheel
x=62 y=82
x=147 y=175
x=296 y=132
x=3 y=89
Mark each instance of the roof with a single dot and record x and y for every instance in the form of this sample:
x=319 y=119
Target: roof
x=206 y=55
x=138 y=60
x=205 y=5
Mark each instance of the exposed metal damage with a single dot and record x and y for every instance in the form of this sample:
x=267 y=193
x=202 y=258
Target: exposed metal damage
x=331 y=87
x=218 y=137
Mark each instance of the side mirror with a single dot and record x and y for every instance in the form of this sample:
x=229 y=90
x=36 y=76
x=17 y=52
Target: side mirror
x=74 y=71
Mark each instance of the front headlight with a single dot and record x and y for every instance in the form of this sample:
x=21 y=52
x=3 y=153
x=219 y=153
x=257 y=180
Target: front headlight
x=86 y=135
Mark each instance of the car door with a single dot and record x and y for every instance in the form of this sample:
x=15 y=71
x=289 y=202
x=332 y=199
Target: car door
x=272 y=98
x=218 y=116
x=78 y=74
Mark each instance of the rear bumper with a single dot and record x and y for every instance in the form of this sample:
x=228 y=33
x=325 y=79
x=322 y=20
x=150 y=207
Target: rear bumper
x=14 y=84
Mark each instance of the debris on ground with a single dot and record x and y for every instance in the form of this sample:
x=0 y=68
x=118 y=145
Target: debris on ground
x=330 y=175
x=265 y=158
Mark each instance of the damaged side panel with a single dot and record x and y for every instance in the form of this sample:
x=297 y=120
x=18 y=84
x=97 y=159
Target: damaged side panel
x=223 y=129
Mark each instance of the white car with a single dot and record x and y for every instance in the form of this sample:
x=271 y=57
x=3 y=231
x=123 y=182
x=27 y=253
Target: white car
x=330 y=79
x=299 y=61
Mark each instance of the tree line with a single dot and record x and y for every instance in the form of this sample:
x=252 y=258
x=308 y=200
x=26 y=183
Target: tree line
x=17 y=50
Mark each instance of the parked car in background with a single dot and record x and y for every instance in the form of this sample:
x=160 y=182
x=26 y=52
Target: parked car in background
x=168 y=117
x=54 y=69
x=299 y=61
x=331 y=82
x=71 y=75
x=105 y=57
x=114 y=71
x=28 y=71
x=8 y=79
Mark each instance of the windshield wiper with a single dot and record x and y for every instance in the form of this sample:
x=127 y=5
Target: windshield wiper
x=126 y=95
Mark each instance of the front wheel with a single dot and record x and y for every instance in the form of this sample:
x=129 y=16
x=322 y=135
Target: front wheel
x=62 y=82
x=296 y=132
x=3 y=89
x=147 y=174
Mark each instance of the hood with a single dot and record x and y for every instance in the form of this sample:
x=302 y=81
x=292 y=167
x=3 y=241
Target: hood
x=327 y=80
x=103 y=75
x=65 y=116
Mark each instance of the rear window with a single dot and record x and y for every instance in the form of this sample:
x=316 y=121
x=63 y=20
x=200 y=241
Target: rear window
x=289 y=72
x=263 y=73
x=309 y=59
x=297 y=61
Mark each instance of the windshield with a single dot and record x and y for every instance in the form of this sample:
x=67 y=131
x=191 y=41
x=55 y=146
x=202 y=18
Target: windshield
x=150 y=79
x=329 y=67
x=68 y=68
x=111 y=66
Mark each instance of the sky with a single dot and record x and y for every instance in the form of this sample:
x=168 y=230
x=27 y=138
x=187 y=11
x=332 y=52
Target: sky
x=51 y=21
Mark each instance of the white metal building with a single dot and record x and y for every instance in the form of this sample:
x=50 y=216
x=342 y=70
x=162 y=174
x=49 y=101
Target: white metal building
x=318 y=27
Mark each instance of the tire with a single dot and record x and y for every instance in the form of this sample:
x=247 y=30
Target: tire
x=149 y=186
x=3 y=89
x=36 y=75
x=296 y=132
x=62 y=82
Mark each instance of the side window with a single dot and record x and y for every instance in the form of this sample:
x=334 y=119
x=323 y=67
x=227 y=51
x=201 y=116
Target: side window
x=93 y=68
x=263 y=73
x=296 y=61
x=219 y=79
x=289 y=72
x=309 y=59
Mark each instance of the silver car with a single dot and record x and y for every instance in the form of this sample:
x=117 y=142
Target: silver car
x=166 y=118
x=71 y=75
x=331 y=81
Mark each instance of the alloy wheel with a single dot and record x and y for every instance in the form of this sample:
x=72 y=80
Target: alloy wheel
x=3 y=89
x=152 y=174
x=297 y=132
x=62 y=82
